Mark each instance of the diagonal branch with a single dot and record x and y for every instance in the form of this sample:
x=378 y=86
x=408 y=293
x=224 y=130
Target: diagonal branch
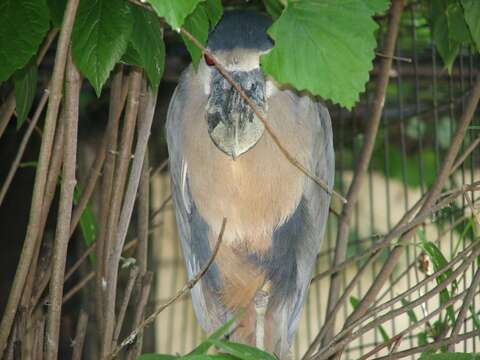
x=362 y=162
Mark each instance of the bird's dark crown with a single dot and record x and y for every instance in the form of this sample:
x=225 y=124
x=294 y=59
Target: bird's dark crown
x=241 y=29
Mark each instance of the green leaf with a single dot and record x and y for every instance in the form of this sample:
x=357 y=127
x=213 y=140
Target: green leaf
x=274 y=8
x=410 y=313
x=25 y=81
x=157 y=357
x=447 y=48
x=214 y=10
x=422 y=338
x=23 y=26
x=472 y=16
x=88 y=222
x=216 y=335
x=197 y=25
x=174 y=11
x=242 y=351
x=57 y=8
x=147 y=42
x=100 y=37
x=210 y=357
x=337 y=34
x=451 y=356
x=458 y=30
x=439 y=262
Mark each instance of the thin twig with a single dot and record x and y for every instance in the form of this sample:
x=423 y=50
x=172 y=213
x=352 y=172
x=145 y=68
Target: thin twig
x=62 y=236
x=80 y=334
x=126 y=300
x=433 y=346
x=463 y=311
x=39 y=335
x=398 y=58
x=362 y=163
x=397 y=338
x=23 y=146
x=187 y=287
x=95 y=171
x=112 y=253
x=41 y=174
x=146 y=284
x=118 y=83
x=76 y=288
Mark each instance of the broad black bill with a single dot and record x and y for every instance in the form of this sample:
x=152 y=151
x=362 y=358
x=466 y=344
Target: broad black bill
x=232 y=124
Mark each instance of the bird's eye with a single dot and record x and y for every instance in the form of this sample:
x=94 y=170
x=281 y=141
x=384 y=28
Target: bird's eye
x=209 y=60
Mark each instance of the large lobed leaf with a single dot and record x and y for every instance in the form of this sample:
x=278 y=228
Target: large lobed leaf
x=23 y=24
x=146 y=46
x=174 y=11
x=206 y=16
x=100 y=37
x=325 y=47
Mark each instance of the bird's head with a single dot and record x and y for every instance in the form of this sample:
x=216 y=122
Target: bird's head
x=237 y=43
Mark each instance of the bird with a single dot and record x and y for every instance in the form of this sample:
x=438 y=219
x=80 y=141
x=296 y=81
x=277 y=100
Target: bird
x=224 y=164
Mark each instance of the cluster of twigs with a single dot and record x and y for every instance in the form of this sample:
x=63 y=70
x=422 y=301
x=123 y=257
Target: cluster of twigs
x=26 y=329
x=124 y=182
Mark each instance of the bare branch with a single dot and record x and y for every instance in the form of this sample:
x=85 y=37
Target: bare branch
x=23 y=146
x=72 y=99
x=362 y=162
x=80 y=336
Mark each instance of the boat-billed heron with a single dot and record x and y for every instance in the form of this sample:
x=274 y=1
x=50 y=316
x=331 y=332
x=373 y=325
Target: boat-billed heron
x=224 y=163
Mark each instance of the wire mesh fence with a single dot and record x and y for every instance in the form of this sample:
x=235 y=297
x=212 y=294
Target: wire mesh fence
x=422 y=107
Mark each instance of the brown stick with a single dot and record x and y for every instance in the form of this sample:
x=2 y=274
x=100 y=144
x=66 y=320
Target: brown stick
x=50 y=190
x=90 y=275
x=117 y=108
x=126 y=300
x=40 y=177
x=187 y=287
x=463 y=311
x=38 y=340
x=72 y=99
x=433 y=346
x=363 y=160
x=145 y=287
x=118 y=82
x=23 y=146
x=110 y=254
x=81 y=332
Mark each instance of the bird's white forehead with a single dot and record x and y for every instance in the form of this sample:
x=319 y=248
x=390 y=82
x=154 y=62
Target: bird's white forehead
x=235 y=60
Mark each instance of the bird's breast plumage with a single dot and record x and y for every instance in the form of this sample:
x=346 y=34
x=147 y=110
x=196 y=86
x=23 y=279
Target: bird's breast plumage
x=257 y=191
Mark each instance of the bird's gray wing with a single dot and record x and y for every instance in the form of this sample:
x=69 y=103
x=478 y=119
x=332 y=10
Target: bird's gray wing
x=303 y=232
x=193 y=231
